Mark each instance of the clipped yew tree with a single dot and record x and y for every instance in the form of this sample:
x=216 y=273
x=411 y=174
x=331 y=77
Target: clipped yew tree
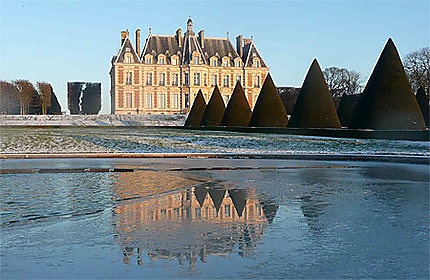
x=346 y=108
x=314 y=107
x=423 y=102
x=197 y=110
x=214 y=110
x=269 y=110
x=237 y=112
x=388 y=101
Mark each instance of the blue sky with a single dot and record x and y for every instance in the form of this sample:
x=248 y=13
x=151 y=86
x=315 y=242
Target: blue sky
x=60 y=41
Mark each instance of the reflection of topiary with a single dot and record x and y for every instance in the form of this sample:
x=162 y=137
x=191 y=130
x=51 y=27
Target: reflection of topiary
x=269 y=111
x=423 y=102
x=314 y=106
x=387 y=101
x=214 y=110
x=346 y=108
x=237 y=112
x=197 y=110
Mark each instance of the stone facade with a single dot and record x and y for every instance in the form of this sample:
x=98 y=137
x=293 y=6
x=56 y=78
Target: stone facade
x=166 y=75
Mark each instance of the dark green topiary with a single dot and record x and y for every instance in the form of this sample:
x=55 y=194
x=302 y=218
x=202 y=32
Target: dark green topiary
x=238 y=197
x=217 y=196
x=346 y=108
x=423 y=102
x=314 y=107
x=237 y=112
x=387 y=101
x=214 y=110
x=269 y=111
x=197 y=110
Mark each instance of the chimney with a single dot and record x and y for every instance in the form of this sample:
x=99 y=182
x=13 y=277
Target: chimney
x=138 y=42
x=202 y=38
x=239 y=46
x=179 y=37
x=123 y=36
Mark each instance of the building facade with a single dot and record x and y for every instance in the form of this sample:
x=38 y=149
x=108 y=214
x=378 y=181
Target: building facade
x=166 y=75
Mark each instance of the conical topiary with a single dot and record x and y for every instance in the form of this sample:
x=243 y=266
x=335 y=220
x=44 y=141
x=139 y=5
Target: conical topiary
x=237 y=112
x=423 y=102
x=269 y=110
x=314 y=107
x=214 y=110
x=387 y=101
x=197 y=110
x=346 y=108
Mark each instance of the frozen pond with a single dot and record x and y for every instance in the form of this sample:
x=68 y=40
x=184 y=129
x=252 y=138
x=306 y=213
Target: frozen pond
x=159 y=140
x=311 y=219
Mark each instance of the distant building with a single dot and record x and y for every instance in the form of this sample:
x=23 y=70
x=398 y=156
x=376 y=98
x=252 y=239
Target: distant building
x=165 y=76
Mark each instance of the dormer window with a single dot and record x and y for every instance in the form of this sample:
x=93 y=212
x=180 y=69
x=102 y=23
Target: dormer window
x=148 y=60
x=225 y=63
x=256 y=63
x=128 y=59
x=161 y=60
x=213 y=62
x=196 y=61
x=237 y=63
x=174 y=61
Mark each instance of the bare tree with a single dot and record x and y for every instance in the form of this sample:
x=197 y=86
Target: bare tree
x=342 y=81
x=26 y=93
x=8 y=97
x=417 y=67
x=45 y=92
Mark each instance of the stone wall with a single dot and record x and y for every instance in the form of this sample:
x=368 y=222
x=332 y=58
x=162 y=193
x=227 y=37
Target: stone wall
x=92 y=120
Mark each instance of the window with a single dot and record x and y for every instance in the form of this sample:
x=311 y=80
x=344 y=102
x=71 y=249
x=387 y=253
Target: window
x=256 y=63
x=163 y=213
x=176 y=212
x=196 y=61
x=214 y=80
x=175 y=80
x=225 y=63
x=226 y=99
x=161 y=60
x=214 y=212
x=175 y=101
x=174 y=61
x=149 y=79
x=187 y=100
x=238 y=63
x=148 y=100
x=129 y=100
x=198 y=213
x=162 y=81
x=239 y=78
x=162 y=100
x=186 y=79
x=148 y=60
x=206 y=82
x=257 y=81
x=197 y=79
x=227 y=211
x=128 y=80
x=128 y=59
x=226 y=81
x=213 y=62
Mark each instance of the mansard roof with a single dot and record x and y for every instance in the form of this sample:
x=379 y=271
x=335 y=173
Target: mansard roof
x=219 y=47
x=161 y=44
x=126 y=44
x=249 y=52
x=190 y=45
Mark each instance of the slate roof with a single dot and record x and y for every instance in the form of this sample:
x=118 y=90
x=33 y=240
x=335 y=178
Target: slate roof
x=161 y=44
x=127 y=44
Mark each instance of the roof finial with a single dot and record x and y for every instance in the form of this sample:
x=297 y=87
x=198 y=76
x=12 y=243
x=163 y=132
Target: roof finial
x=252 y=37
x=227 y=34
x=149 y=30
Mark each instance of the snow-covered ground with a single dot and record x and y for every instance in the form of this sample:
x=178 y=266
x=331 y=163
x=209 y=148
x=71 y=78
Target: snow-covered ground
x=163 y=140
x=92 y=120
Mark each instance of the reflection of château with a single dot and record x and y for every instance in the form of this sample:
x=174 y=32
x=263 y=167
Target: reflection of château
x=192 y=223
